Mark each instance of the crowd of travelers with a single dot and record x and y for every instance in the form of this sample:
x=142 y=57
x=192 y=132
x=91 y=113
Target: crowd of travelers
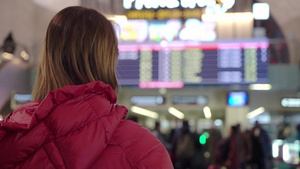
x=249 y=149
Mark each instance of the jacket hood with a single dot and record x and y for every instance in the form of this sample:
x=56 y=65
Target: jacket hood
x=27 y=116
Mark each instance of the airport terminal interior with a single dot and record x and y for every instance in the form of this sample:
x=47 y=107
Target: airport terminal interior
x=214 y=65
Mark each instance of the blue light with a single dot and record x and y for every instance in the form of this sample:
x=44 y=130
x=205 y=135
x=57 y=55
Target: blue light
x=237 y=99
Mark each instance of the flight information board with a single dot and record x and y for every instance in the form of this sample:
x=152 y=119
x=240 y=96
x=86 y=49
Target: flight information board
x=178 y=63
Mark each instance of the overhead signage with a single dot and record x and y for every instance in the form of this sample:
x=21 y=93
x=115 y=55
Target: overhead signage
x=190 y=100
x=237 y=98
x=290 y=102
x=174 y=9
x=18 y=100
x=162 y=14
x=172 y=4
x=155 y=4
x=261 y=11
x=142 y=30
x=22 y=98
x=147 y=100
x=213 y=63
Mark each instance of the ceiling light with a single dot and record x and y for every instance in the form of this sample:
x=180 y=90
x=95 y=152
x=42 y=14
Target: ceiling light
x=176 y=112
x=261 y=11
x=144 y=112
x=207 y=112
x=24 y=55
x=260 y=87
x=255 y=112
x=7 y=56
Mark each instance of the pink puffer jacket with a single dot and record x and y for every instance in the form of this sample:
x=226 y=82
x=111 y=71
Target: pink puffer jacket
x=78 y=127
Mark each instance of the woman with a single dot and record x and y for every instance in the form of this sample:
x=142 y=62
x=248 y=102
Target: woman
x=74 y=121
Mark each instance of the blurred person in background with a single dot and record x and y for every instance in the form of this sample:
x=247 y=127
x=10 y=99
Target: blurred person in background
x=172 y=139
x=246 y=147
x=233 y=156
x=257 y=153
x=74 y=122
x=298 y=138
x=220 y=154
x=157 y=133
x=298 y=132
x=185 y=147
x=214 y=137
x=285 y=132
x=246 y=151
x=263 y=140
x=133 y=118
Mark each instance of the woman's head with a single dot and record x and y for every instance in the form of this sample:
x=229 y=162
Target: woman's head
x=80 y=47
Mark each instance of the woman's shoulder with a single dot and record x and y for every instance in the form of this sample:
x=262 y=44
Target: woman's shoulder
x=130 y=131
x=141 y=146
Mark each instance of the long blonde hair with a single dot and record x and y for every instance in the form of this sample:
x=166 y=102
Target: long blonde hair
x=80 y=47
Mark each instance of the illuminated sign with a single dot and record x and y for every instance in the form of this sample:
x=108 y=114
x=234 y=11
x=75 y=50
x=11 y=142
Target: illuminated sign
x=174 y=64
x=171 y=4
x=142 y=30
x=174 y=9
x=220 y=2
x=261 y=11
x=237 y=98
x=147 y=100
x=290 y=102
x=162 y=14
x=286 y=151
x=18 y=100
x=199 y=100
x=134 y=30
x=140 y=4
x=22 y=98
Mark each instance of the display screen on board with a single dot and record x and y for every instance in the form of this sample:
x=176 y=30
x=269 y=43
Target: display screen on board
x=142 y=30
x=175 y=64
x=237 y=98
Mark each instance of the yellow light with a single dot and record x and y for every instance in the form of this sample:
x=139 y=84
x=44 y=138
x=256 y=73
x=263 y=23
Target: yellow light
x=176 y=112
x=7 y=56
x=25 y=55
x=261 y=11
x=260 y=87
x=119 y=19
x=144 y=112
x=255 y=112
x=220 y=2
x=209 y=17
x=207 y=112
x=241 y=16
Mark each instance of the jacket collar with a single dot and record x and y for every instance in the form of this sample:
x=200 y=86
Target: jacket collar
x=29 y=114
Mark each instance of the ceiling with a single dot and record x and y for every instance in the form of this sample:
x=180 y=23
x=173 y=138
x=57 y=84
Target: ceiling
x=286 y=13
x=56 y=5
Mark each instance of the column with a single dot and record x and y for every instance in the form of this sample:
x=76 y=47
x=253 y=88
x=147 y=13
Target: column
x=236 y=115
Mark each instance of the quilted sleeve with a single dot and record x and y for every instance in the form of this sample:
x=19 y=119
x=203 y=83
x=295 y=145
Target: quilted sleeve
x=158 y=158
x=142 y=148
